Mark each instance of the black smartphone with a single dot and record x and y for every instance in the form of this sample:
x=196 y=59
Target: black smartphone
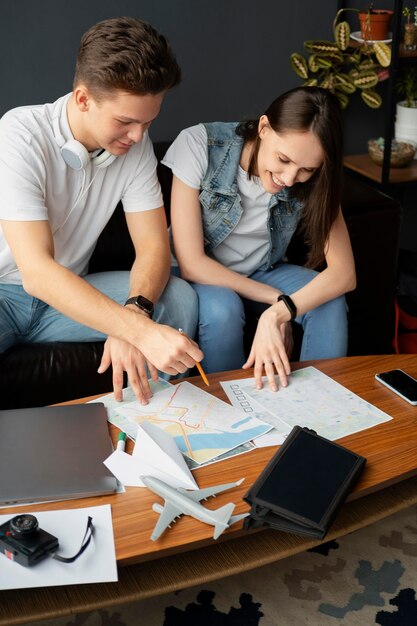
x=401 y=383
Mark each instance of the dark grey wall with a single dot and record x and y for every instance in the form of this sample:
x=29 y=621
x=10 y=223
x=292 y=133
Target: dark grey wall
x=234 y=54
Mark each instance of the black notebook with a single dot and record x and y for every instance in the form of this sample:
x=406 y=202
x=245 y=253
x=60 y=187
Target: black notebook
x=304 y=485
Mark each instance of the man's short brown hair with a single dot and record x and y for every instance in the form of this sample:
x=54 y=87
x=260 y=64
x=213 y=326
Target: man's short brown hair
x=128 y=54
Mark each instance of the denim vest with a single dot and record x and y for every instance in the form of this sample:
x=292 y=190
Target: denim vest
x=220 y=202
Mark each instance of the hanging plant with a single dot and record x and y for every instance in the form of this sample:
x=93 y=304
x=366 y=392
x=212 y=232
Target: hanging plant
x=343 y=68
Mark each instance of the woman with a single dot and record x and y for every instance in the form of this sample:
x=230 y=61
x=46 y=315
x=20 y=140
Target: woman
x=239 y=192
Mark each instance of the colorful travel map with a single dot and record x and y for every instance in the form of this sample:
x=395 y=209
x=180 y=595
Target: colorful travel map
x=112 y=406
x=203 y=426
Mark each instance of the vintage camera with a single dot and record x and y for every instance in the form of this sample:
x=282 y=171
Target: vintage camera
x=22 y=540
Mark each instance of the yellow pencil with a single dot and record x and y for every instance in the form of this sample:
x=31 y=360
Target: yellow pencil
x=202 y=373
x=200 y=369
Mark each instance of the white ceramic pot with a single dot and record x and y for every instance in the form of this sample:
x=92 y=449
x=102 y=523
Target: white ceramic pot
x=406 y=123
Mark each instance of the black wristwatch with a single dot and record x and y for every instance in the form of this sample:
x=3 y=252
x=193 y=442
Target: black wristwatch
x=289 y=304
x=142 y=303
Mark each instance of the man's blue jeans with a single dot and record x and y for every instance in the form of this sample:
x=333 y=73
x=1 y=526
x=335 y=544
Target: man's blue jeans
x=222 y=320
x=24 y=319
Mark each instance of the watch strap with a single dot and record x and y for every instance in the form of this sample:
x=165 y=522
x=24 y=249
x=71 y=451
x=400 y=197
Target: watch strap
x=289 y=304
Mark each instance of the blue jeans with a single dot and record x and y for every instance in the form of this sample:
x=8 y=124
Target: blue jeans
x=24 y=319
x=222 y=320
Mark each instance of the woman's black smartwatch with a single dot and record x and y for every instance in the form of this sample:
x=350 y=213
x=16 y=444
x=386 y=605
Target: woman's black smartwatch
x=289 y=304
x=142 y=303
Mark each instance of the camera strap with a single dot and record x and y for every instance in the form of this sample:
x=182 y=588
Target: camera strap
x=84 y=544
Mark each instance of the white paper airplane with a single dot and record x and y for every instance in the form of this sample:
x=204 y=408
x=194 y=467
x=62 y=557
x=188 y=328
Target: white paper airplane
x=155 y=454
x=178 y=501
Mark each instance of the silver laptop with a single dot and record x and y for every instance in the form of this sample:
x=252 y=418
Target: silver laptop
x=54 y=453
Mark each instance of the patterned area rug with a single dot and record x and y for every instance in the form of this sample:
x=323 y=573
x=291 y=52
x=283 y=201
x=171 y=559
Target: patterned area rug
x=367 y=577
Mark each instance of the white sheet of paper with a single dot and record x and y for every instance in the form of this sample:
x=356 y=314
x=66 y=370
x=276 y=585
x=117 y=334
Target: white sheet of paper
x=96 y=565
x=155 y=454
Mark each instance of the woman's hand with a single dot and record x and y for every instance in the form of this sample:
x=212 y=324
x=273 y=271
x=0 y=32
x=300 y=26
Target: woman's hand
x=271 y=345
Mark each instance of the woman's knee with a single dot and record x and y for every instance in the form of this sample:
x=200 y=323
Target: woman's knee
x=325 y=331
x=220 y=330
x=220 y=306
x=329 y=314
x=336 y=309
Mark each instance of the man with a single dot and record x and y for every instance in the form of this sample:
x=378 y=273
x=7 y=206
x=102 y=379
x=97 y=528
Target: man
x=63 y=168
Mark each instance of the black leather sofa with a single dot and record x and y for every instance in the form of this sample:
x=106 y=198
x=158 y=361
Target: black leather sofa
x=40 y=374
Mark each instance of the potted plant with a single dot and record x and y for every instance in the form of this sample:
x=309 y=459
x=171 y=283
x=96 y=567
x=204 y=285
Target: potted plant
x=410 y=29
x=343 y=67
x=375 y=24
x=406 y=119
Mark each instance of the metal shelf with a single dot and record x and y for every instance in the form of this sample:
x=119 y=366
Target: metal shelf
x=362 y=163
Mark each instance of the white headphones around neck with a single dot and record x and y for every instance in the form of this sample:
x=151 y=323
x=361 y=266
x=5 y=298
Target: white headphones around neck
x=73 y=152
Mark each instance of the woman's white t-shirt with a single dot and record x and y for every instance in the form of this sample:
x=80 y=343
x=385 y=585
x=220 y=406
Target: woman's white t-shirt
x=246 y=248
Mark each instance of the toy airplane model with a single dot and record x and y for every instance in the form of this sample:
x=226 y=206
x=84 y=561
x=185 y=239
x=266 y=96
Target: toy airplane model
x=179 y=502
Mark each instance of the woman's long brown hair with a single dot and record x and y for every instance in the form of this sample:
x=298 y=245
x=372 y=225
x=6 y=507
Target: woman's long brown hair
x=300 y=110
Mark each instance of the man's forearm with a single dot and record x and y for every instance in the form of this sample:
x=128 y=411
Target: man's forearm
x=150 y=274
x=74 y=297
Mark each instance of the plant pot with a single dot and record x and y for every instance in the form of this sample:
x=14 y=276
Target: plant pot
x=375 y=25
x=406 y=123
x=406 y=116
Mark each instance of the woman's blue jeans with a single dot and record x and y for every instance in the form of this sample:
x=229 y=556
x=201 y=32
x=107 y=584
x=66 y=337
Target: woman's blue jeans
x=222 y=320
x=24 y=319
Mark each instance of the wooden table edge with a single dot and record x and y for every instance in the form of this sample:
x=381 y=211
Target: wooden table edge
x=195 y=567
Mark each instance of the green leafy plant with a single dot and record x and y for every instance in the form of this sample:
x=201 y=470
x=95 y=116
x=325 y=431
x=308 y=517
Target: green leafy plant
x=407 y=86
x=344 y=68
x=407 y=14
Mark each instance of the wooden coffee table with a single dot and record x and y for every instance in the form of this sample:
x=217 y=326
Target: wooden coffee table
x=187 y=555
